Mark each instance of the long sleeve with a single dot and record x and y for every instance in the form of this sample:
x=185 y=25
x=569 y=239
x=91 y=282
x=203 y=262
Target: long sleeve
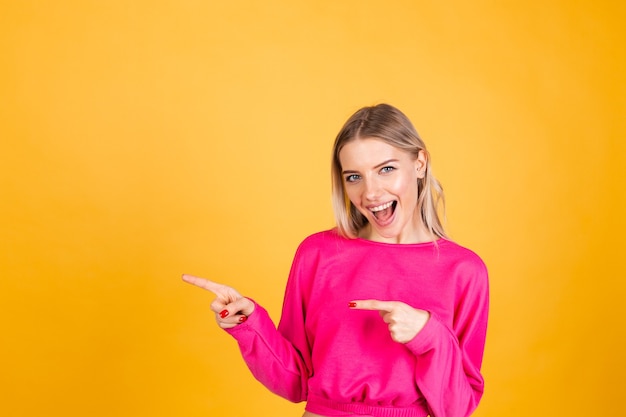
x=271 y=358
x=449 y=358
x=280 y=358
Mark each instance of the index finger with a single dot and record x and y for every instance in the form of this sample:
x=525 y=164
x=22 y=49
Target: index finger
x=371 y=305
x=204 y=283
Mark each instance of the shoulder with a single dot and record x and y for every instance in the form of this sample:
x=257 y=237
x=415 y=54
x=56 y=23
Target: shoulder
x=321 y=240
x=464 y=259
x=323 y=244
x=315 y=250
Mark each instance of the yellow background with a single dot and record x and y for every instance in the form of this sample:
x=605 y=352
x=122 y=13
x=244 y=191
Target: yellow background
x=144 y=139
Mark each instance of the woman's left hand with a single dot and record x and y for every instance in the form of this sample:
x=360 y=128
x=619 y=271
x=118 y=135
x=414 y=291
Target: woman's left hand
x=404 y=321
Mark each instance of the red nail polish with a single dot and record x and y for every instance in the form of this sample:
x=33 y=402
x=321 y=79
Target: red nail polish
x=223 y=313
x=242 y=319
x=351 y=304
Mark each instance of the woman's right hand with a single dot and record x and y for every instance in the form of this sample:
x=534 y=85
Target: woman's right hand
x=230 y=307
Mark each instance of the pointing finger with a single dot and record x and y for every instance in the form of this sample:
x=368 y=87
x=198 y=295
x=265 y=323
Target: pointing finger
x=223 y=292
x=214 y=287
x=371 y=305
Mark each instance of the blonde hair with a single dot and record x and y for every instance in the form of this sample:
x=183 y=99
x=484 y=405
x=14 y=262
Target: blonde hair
x=386 y=123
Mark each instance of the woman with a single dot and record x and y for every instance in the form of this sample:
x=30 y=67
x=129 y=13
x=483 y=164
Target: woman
x=383 y=315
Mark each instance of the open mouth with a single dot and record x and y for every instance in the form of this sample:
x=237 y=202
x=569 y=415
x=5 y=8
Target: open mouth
x=384 y=211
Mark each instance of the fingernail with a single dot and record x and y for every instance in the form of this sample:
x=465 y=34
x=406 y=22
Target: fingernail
x=351 y=304
x=223 y=313
x=242 y=319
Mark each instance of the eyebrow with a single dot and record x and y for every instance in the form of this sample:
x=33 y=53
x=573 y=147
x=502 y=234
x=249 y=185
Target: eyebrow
x=377 y=166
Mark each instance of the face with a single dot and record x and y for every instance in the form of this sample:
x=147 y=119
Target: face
x=381 y=182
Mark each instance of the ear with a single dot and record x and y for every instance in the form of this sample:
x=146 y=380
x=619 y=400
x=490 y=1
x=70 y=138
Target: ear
x=420 y=164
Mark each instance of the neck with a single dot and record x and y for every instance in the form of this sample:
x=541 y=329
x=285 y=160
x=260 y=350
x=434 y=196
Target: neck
x=418 y=234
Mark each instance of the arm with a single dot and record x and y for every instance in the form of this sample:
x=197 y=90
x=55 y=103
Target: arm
x=272 y=359
x=279 y=359
x=449 y=359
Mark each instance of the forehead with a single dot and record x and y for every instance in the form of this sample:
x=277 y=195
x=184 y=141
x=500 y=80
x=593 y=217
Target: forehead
x=369 y=152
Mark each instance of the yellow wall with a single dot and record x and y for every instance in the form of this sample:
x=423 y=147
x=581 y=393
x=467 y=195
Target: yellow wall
x=141 y=140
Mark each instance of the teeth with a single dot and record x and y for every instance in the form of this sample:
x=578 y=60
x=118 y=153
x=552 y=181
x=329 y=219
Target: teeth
x=381 y=207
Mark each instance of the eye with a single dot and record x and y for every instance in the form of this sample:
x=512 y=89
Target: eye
x=352 y=178
x=386 y=170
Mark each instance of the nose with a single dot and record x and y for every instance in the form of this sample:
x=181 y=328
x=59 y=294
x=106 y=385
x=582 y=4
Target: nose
x=372 y=189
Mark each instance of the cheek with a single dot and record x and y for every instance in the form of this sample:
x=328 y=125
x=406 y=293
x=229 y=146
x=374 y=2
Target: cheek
x=353 y=195
x=406 y=187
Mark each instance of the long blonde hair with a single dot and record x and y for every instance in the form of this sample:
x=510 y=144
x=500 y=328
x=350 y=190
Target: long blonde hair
x=386 y=123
